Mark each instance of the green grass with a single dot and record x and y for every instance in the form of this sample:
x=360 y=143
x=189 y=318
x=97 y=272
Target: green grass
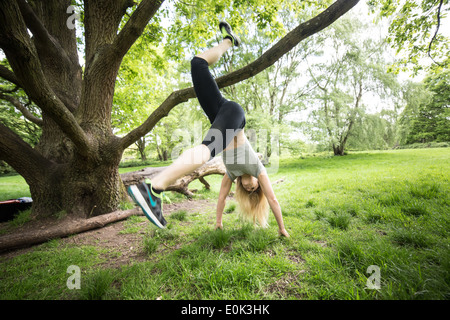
x=344 y=214
x=13 y=187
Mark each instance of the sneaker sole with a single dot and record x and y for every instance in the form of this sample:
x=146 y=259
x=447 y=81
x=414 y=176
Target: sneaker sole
x=231 y=33
x=134 y=192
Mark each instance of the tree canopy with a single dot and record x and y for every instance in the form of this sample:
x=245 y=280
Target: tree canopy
x=415 y=31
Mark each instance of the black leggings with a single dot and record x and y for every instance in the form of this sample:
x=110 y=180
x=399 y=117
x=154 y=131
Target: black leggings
x=227 y=117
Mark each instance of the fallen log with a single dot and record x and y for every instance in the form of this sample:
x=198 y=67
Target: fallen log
x=64 y=228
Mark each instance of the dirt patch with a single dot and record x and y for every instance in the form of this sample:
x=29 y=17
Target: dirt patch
x=295 y=257
x=287 y=285
x=130 y=245
x=110 y=237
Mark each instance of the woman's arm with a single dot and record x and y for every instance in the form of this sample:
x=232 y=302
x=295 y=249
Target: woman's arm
x=267 y=189
x=223 y=193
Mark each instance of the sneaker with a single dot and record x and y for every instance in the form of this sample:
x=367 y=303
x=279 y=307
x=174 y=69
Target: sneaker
x=225 y=28
x=149 y=201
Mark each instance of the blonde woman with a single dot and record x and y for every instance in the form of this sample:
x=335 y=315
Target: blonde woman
x=254 y=192
x=227 y=123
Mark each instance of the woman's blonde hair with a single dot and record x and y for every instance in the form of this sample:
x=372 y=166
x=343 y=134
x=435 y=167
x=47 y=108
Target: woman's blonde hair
x=253 y=205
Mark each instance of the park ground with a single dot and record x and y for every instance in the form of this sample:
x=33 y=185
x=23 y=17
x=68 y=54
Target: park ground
x=368 y=225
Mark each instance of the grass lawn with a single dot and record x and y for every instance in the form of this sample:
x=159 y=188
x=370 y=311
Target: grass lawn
x=386 y=211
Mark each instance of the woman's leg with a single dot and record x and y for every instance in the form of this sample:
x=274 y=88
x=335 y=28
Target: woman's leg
x=187 y=162
x=213 y=54
x=147 y=195
x=205 y=86
x=210 y=99
x=230 y=120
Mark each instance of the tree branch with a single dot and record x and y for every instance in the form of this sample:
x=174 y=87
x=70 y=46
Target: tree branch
x=8 y=75
x=40 y=33
x=66 y=227
x=102 y=19
x=288 y=42
x=33 y=23
x=135 y=26
x=104 y=53
x=56 y=46
x=19 y=106
x=21 y=156
x=436 y=32
x=24 y=60
x=162 y=111
x=214 y=166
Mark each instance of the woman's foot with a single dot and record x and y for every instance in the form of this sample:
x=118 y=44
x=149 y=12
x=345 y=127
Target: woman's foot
x=149 y=201
x=227 y=33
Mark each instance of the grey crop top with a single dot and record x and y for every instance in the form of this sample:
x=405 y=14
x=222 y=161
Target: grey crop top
x=242 y=160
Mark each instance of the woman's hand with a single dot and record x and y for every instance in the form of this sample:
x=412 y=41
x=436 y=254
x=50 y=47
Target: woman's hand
x=224 y=190
x=283 y=233
x=267 y=189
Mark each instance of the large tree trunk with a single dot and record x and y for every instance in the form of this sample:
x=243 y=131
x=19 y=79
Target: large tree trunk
x=80 y=186
x=338 y=150
x=74 y=168
x=78 y=190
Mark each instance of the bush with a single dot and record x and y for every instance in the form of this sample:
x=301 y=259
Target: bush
x=6 y=169
x=425 y=145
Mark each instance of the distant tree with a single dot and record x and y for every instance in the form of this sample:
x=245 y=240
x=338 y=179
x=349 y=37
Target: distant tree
x=353 y=67
x=431 y=120
x=414 y=94
x=374 y=131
